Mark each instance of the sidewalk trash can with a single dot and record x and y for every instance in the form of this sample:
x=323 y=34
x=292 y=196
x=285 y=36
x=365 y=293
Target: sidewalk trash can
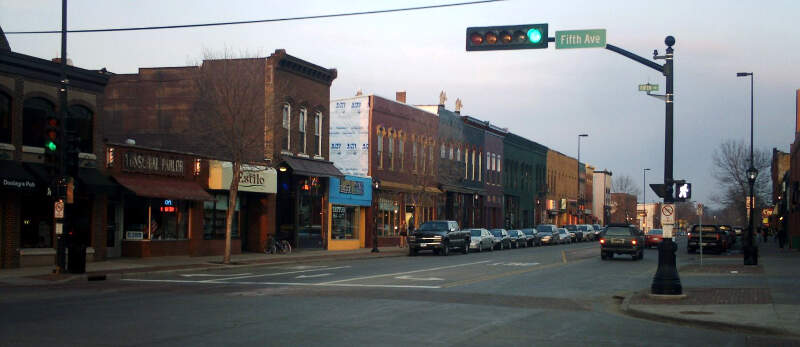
x=76 y=259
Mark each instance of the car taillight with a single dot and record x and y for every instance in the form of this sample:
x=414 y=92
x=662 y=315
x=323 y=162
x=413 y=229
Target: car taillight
x=602 y=240
x=717 y=236
x=689 y=234
x=633 y=242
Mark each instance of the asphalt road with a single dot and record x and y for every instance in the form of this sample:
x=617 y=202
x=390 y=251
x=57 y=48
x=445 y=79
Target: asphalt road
x=555 y=295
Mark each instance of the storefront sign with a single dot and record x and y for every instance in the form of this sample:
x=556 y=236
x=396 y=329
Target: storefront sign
x=386 y=205
x=151 y=163
x=19 y=184
x=351 y=187
x=349 y=135
x=256 y=179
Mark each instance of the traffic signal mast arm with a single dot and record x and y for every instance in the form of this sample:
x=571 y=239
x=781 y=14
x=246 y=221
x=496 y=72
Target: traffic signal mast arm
x=648 y=63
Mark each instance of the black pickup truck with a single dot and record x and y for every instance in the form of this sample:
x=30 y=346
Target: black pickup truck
x=440 y=236
x=715 y=239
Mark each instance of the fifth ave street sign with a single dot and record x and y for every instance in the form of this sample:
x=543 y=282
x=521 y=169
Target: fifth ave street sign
x=590 y=38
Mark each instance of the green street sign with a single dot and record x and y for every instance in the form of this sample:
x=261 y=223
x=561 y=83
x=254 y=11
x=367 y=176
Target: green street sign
x=590 y=38
x=648 y=87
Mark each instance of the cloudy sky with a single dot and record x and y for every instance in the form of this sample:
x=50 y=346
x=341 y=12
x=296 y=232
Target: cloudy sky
x=549 y=96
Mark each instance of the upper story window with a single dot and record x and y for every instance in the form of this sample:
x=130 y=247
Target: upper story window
x=287 y=124
x=318 y=133
x=302 y=129
x=414 y=154
x=473 y=165
x=391 y=152
x=480 y=156
x=430 y=158
x=422 y=154
x=5 y=118
x=451 y=152
x=458 y=154
x=444 y=151
x=380 y=150
x=34 y=115
x=80 y=122
x=401 y=149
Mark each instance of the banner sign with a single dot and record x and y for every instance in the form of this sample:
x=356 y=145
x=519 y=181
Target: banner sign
x=349 y=135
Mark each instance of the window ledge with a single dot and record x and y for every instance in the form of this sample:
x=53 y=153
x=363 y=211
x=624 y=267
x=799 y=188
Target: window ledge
x=37 y=251
x=7 y=146
x=319 y=157
x=302 y=155
x=283 y=151
x=29 y=149
x=89 y=156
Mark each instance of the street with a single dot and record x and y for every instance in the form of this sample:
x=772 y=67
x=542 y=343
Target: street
x=552 y=295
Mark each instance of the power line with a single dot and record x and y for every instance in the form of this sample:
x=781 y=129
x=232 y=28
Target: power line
x=257 y=21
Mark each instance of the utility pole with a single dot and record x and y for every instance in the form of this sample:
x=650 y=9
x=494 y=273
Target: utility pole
x=60 y=171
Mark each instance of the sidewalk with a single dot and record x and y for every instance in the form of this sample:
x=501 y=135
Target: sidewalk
x=724 y=294
x=119 y=267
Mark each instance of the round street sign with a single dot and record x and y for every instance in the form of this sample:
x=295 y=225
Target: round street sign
x=58 y=209
x=667 y=210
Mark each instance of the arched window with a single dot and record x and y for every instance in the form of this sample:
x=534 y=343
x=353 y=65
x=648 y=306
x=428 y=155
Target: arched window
x=287 y=124
x=80 y=124
x=318 y=133
x=5 y=118
x=34 y=114
x=302 y=129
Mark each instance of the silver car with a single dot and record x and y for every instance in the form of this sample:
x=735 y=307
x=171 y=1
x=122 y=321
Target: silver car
x=548 y=234
x=565 y=236
x=481 y=239
x=501 y=238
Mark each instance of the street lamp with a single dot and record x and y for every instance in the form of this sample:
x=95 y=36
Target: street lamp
x=750 y=249
x=578 y=200
x=376 y=184
x=644 y=194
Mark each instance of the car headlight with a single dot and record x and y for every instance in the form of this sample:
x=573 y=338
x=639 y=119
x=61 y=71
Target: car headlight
x=437 y=238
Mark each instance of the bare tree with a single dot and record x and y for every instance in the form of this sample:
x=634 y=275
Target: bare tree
x=229 y=116
x=625 y=184
x=731 y=161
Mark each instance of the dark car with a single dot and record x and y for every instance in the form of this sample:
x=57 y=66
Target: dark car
x=440 y=236
x=522 y=239
x=621 y=239
x=714 y=239
x=501 y=235
x=597 y=230
x=532 y=236
x=573 y=229
x=548 y=234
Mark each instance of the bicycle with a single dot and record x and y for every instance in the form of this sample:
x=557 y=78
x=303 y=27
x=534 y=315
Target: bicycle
x=276 y=247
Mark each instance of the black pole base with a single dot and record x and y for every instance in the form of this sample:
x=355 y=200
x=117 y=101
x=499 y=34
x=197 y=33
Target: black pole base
x=375 y=250
x=750 y=254
x=666 y=280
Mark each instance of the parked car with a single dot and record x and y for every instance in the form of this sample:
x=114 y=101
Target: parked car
x=713 y=239
x=653 y=237
x=597 y=230
x=588 y=232
x=439 y=236
x=573 y=229
x=621 y=239
x=501 y=238
x=481 y=239
x=518 y=238
x=548 y=234
x=730 y=240
x=532 y=236
x=565 y=236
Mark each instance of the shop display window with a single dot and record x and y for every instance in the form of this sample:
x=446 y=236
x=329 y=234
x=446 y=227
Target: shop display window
x=344 y=222
x=214 y=217
x=168 y=219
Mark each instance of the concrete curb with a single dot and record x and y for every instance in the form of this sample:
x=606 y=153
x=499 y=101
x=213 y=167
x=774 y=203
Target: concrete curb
x=632 y=311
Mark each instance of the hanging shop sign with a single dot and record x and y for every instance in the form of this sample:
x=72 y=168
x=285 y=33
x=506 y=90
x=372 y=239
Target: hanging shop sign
x=254 y=178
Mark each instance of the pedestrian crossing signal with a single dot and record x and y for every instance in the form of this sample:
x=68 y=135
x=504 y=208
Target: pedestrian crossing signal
x=683 y=191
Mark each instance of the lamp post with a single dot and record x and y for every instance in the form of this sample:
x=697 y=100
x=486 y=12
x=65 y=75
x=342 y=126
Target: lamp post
x=644 y=194
x=750 y=249
x=578 y=200
x=376 y=184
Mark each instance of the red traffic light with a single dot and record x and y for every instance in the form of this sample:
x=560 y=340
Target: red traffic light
x=476 y=38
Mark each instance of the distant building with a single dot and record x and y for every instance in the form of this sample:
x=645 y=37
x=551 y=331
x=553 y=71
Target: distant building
x=601 y=191
x=623 y=209
x=562 y=188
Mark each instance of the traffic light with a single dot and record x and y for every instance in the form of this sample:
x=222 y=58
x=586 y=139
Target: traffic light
x=52 y=137
x=530 y=36
x=683 y=191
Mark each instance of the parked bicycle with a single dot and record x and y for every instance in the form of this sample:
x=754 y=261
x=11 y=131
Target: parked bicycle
x=278 y=247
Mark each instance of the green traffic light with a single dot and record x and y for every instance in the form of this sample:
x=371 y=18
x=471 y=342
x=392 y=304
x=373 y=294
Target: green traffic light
x=51 y=146
x=534 y=35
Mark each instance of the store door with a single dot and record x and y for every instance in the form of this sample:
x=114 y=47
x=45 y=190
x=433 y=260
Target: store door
x=114 y=230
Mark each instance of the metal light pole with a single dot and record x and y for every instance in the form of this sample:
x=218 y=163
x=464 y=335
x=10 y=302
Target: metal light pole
x=375 y=185
x=644 y=194
x=578 y=200
x=750 y=249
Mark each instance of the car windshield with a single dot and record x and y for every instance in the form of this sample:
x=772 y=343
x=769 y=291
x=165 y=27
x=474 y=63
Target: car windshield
x=571 y=227
x=433 y=226
x=583 y=227
x=618 y=231
x=497 y=233
x=475 y=232
x=528 y=231
x=655 y=232
x=545 y=228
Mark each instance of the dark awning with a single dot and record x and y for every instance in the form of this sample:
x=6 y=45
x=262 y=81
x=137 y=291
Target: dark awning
x=163 y=187
x=462 y=189
x=311 y=167
x=94 y=181
x=14 y=177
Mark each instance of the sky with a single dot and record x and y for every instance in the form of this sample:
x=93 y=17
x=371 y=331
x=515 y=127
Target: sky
x=547 y=95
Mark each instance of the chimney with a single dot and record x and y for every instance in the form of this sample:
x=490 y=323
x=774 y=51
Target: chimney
x=58 y=60
x=401 y=96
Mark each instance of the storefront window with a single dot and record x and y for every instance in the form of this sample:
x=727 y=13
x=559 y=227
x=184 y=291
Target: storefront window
x=344 y=222
x=169 y=219
x=214 y=218
x=5 y=118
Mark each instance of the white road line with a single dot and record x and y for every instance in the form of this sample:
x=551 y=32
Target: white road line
x=213 y=275
x=166 y=281
x=404 y=273
x=216 y=280
x=291 y=284
x=312 y=276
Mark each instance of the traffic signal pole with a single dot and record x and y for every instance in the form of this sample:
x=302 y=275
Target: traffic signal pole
x=60 y=169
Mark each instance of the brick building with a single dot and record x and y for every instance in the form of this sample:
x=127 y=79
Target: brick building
x=29 y=93
x=161 y=108
x=562 y=188
x=525 y=163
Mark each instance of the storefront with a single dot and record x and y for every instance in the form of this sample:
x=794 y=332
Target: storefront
x=400 y=206
x=252 y=216
x=302 y=201
x=162 y=207
x=350 y=197
x=18 y=186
